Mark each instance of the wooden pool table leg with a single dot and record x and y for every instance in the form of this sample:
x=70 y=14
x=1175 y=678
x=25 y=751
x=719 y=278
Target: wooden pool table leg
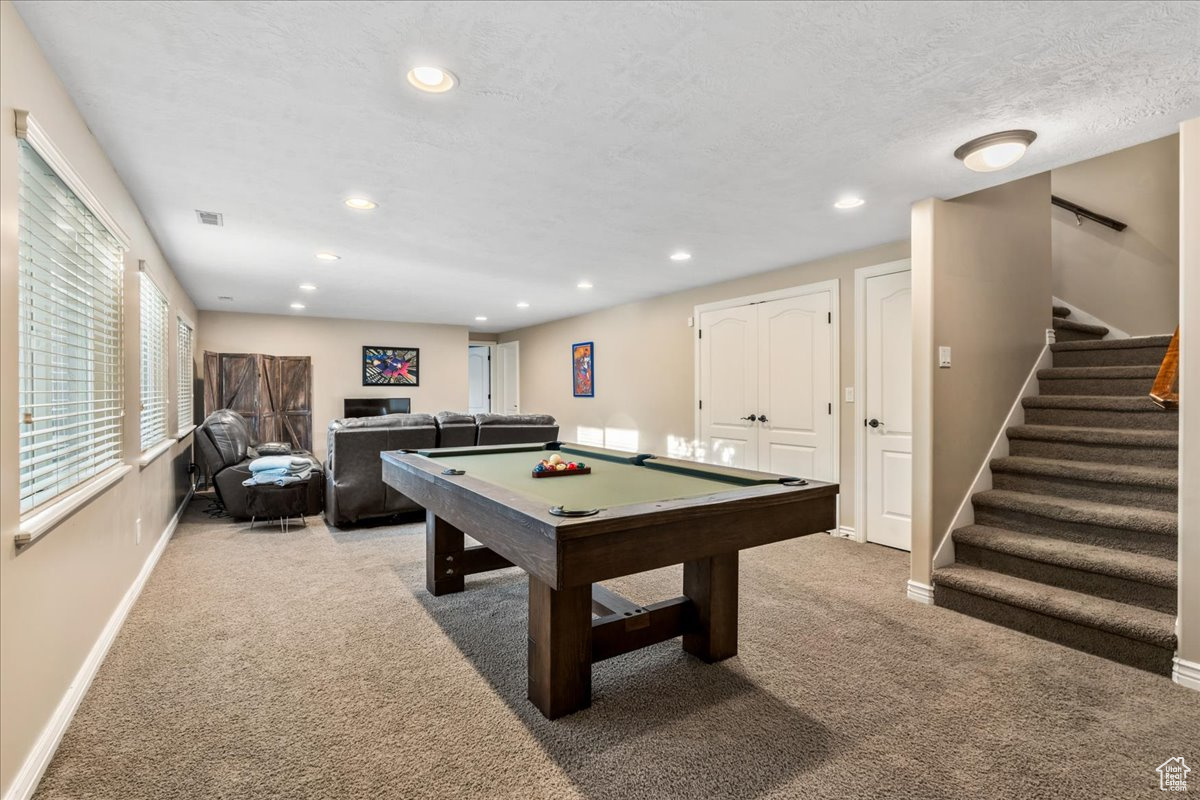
x=560 y=648
x=443 y=556
x=712 y=586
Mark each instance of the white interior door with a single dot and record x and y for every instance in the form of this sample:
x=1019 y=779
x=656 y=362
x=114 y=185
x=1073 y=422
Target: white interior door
x=479 y=379
x=887 y=409
x=795 y=386
x=506 y=378
x=729 y=386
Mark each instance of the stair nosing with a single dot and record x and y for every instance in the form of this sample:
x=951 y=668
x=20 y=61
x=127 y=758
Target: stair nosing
x=1122 y=403
x=1131 y=342
x=1103 y=372
x=1111 y=567
x=1049 y=502
x=1108 y=609
x=1093 y=471
x=1062 y=323
x=1092 y=435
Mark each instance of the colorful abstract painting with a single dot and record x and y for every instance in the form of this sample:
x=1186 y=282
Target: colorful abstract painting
x=391 y=366
x=583 y=370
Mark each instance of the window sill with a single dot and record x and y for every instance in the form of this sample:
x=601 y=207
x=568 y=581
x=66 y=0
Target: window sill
x=183 y=433
x=43 y=521
x=154 y=452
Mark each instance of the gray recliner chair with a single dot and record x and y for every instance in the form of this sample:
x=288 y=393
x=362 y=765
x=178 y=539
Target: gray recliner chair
x=226 y=450
x=354 y=489
x=515 y=428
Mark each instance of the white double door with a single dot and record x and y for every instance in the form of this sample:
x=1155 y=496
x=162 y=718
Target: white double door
x=767 y=386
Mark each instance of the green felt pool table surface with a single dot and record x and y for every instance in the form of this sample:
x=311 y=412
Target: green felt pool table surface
x=615 y=480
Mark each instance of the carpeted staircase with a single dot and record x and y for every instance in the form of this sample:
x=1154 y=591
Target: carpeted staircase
x=1076 y=541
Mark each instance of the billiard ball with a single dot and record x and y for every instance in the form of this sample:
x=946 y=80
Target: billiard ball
x=560 y=466
x=555 y=459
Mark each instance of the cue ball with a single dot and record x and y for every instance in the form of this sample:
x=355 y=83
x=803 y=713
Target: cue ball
x=556 y=459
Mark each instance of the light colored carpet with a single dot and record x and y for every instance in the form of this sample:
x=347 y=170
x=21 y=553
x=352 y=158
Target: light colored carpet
x=312 y=664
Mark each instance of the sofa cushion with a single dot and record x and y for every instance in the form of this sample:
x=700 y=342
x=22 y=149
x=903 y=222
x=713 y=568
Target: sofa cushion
x=383 y=421
x=525 y=420
x=455 y=429
x=453 y=418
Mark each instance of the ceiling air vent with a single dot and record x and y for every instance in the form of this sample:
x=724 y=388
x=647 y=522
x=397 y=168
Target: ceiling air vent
x=210 y=217
x=225 y=298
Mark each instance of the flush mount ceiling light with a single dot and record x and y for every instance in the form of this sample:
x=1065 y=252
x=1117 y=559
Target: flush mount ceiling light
x=679 y=255
x=583 y=285
x=308 y=287
x=849 y=202
x=298 y=306
x=522 y=304
x=360 y=203
x=995 y=151
x=328 y=256
x=432 y=79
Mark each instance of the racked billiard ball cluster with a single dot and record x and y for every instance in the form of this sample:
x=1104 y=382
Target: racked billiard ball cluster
x=555 y=463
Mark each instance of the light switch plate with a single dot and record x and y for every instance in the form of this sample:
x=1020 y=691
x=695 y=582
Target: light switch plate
x=944 y=357
x=849 y=394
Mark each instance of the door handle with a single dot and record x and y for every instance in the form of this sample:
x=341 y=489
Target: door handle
x=874 y=423
x=750 y=418
x=762 y=418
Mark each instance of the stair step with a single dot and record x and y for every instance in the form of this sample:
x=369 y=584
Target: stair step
x=1127 y=485
x=1081 y=512
x=1130 y=634
x=1138 y=350
x=1118 y=380
x=1098 y=411
x=1060 y=311
x=1067 y=330
x=1114 y=445
x=1142 y=580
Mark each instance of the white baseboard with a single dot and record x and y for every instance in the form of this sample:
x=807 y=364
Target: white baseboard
x=43 y=750
x=1186 y=673
x=844 y=532
x=920 y=592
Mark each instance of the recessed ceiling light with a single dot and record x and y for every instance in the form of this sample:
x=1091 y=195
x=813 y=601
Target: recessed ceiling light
x=481 y=319
x=432 y=79
x=849 y=202
x=522 y=304
x=328 y=256
x=996 y=150
x=308 y=287
x=679 y=255
x=583 y=285
x=298 y=306
x=360 y=203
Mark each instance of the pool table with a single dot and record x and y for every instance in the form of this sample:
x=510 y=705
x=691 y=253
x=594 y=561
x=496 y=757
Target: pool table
x=630 y=514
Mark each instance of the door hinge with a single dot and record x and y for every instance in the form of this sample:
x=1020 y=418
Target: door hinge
x=831 y=408
x=699 y=333
x=701 y=404
x=829 y=317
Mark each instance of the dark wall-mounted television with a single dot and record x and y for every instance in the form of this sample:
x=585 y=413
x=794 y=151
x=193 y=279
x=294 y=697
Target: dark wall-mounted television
x=375 y=406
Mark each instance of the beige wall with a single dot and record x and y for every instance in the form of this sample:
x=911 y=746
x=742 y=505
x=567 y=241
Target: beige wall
x=1189 y=394
x=335 y=346
x=57 y=596
x=982 y=286
x=645 y=377
x=1130 y=278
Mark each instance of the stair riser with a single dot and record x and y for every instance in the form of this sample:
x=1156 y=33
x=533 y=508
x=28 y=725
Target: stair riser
x=1116 y=493
x=1087 y=418
x=1118 y=357
x=1158 y=598
x=1103 y=453
x=1106 y=387
x=1116 y=538
x=1080 y=637
x=1066 y=335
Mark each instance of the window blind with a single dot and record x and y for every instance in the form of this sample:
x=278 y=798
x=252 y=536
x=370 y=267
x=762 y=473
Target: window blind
x=184 y=386
x=154 y=363
x=69 y=345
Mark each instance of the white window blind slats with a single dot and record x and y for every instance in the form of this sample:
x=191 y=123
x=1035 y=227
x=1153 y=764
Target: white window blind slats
x=183 y=387
x=154 y=364
x=69 y=309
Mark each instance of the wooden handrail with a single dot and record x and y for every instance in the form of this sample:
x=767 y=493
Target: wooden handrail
x=1164 y=393
x=1082 y=213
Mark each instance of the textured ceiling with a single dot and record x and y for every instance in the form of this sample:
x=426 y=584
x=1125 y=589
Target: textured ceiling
x=587 y=140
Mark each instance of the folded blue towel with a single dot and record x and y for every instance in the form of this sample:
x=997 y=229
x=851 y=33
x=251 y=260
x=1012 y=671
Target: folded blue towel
x=292 y=463
x=279 y=477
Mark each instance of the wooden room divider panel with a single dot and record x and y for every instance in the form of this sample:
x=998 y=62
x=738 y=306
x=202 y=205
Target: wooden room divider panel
x=273 y=393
